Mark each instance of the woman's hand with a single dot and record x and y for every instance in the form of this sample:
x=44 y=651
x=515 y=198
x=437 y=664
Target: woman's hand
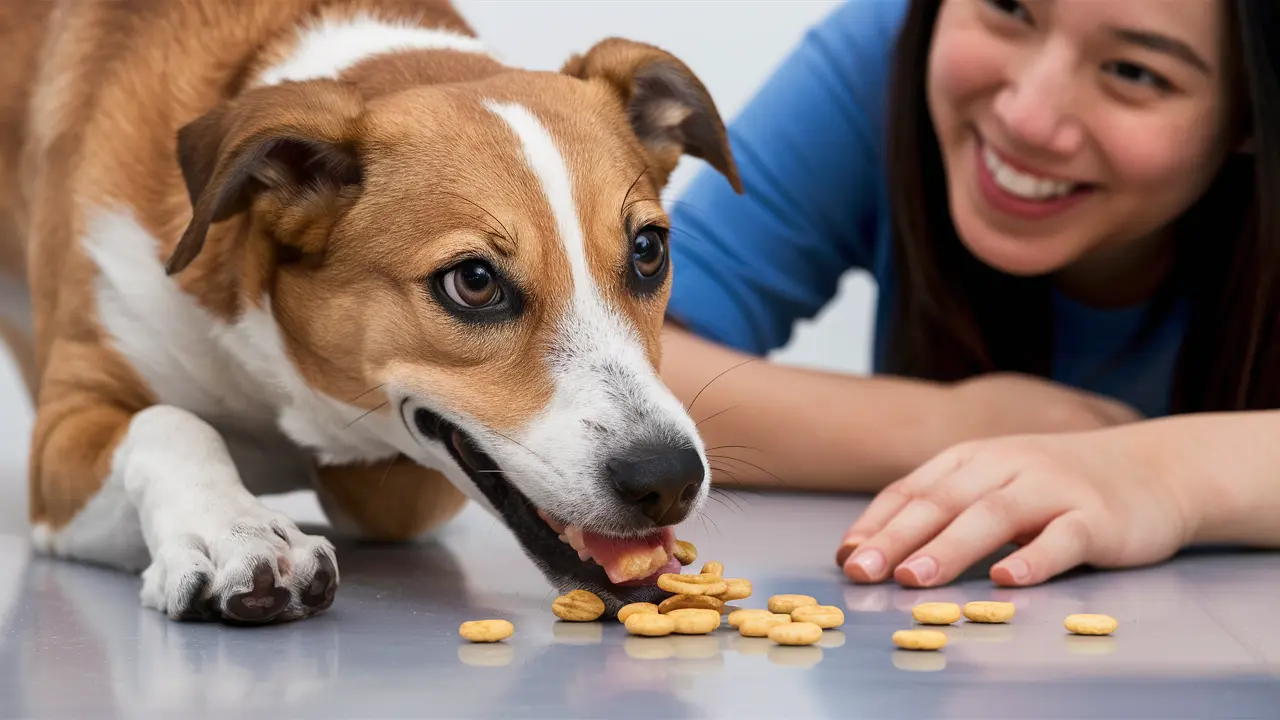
x=1100 y=497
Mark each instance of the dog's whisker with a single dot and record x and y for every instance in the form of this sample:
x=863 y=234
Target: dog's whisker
x=734 y=492
x=733 y=447
x=713 y=415
x=721 y=492
x=541 y=459
x=375 y=388
x=387 y=472
x=504 y=231
x=726 y=505
x=367 y=413
x=719 y=375
x=622 y=211
x=723 y=472
x=751 y=464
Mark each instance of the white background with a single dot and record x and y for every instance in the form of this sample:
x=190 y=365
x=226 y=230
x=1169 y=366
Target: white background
x=731 y=44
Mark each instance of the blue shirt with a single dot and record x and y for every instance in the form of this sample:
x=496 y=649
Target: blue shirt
x=810 y=149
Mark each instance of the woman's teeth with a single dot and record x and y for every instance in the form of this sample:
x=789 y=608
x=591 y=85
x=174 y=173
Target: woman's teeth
x=1025 y=186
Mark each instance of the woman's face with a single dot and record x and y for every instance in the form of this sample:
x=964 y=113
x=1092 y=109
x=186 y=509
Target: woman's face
x=1073 y=131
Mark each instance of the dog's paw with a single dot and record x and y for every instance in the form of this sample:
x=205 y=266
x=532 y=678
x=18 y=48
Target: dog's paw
x=256 y=571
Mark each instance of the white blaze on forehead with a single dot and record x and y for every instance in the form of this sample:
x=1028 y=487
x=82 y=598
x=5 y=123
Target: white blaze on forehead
x=547 y=164
x=328 y=47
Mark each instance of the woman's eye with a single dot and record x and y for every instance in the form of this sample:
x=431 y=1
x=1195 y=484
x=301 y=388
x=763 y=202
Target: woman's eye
x=649 y=251
x=1139 y=75
x=1010 y=7
x=472 y=284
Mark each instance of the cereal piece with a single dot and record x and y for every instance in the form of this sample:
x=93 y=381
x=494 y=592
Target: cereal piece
x=760 y=626
x=1089 y=624
x=685 y=552
x=486 y=631
x=735 y=589
x=692 y=584
x=786 y=603
x=694 y=621
x=713 y=568
x=936 y=613
x=703 y=602
x=650 y=624
x=989 y=611
x=578 y=606
x=920 y=639
x=637 y=607
x=737 y=617
x=641 y=563
x=824 y=616
x=795 y=633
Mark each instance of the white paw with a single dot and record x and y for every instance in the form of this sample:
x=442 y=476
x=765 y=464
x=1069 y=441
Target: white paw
x=257 y=570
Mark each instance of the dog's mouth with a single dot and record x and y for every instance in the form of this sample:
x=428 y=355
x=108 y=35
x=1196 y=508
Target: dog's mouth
x=620 y=569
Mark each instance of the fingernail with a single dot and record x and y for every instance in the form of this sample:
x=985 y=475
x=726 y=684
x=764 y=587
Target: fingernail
x=870 y=561
x=921 y=570
x=846 y=549
x=1017 y=568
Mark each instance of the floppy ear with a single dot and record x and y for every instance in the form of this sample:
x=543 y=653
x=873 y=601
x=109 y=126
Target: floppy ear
x=669 y=109
x=295 y=144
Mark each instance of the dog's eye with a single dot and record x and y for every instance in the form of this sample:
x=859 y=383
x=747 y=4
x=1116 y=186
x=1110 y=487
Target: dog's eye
x=472 y=284
x=649 y=251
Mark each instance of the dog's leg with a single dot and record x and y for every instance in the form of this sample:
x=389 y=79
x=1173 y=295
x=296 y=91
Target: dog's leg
x=392 y=501
x=159 y=486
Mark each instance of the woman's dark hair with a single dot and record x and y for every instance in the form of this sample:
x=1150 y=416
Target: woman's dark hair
x=957 y=317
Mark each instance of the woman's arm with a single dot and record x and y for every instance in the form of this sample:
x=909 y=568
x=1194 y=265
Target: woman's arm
x=770 y=425
x=774 y=426
x=1230 y=465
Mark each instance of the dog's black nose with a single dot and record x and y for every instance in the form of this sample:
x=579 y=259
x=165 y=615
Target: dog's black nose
x=660 y=481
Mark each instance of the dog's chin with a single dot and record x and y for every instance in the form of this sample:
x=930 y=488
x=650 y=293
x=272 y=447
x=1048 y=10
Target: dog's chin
x=554 y=546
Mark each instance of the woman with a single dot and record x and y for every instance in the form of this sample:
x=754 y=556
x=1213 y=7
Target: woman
x=1067 y=207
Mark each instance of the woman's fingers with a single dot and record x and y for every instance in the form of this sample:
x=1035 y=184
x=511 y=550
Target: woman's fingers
x=989 y=523
x=922 y=518
x=1061 y=546
x=894 y=497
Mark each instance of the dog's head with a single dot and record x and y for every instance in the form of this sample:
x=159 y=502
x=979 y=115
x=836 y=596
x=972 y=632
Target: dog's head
x=492 y=257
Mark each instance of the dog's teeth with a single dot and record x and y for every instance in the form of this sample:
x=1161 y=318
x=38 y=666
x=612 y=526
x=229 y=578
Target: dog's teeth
x=574 y=536
x=583 y=555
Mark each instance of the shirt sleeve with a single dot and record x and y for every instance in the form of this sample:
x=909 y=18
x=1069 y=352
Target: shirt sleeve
x=809 y=150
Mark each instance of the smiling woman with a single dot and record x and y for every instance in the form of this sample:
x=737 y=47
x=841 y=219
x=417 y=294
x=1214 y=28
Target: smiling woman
x=1066 y=208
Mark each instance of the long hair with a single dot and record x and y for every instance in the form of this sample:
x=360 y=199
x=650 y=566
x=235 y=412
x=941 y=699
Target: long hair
x=956 y=317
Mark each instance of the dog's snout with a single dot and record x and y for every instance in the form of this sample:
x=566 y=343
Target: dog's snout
x=660 y=481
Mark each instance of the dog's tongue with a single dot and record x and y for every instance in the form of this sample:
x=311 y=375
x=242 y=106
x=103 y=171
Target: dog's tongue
x=633 y=561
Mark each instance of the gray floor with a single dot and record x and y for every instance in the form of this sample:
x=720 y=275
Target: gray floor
x=1197 y=637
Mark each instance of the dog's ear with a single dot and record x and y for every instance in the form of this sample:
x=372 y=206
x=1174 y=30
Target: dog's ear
x=670 y=110
x=295 y=145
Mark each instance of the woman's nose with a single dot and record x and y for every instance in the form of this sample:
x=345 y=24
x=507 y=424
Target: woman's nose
x=1036 y=105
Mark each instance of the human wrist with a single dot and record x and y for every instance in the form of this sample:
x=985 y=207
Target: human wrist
x=1186 y=455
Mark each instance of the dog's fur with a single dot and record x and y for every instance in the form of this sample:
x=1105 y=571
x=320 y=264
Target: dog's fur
x=234 y=219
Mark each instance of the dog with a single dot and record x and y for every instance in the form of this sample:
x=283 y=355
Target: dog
x=337 y=244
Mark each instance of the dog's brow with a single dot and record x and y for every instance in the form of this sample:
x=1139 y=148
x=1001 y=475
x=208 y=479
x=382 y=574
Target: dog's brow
x=503 y=245
x=622 y=211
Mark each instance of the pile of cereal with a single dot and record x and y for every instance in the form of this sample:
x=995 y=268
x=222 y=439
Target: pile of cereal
x=697 y=603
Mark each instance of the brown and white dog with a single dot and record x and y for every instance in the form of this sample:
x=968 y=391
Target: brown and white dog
x=335 y=244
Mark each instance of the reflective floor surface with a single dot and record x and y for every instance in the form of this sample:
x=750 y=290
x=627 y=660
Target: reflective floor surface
x=1197 y=638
